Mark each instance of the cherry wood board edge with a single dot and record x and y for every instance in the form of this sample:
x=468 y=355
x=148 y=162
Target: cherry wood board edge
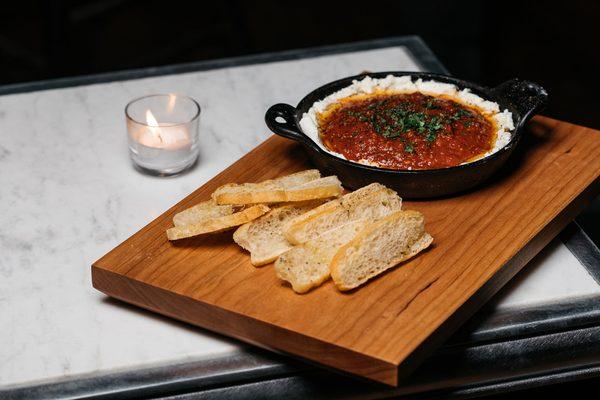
x=278 y=338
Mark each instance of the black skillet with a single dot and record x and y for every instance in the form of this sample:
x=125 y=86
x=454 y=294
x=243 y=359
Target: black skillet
x=522 y=98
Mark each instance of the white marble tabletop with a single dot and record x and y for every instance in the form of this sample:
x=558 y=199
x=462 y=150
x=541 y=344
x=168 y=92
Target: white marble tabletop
x=69 y=194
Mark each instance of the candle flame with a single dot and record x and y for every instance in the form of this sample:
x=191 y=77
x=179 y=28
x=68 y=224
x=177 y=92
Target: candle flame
x=153 y=125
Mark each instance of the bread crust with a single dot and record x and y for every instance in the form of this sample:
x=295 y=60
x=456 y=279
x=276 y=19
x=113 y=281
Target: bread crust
x=307 y=265
x=276 y=192
x=201 y=211
x=263 y=237
x=372 y=193
x=355 y=245
x=217 y=224
x=279 y=195
x=271 y=190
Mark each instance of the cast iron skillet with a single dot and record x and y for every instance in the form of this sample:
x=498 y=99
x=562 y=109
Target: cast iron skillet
x=522 y=98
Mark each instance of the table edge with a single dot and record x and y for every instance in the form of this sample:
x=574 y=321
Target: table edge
x=420 y=53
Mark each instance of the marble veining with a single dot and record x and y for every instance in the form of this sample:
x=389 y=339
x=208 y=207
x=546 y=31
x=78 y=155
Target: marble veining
x=69 y=194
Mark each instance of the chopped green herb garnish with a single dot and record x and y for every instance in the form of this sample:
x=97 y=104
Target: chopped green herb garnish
x=431 y=104
x=458 y=114
x=360 y=116
x=434 y=124
x=415 y=121
x=393 y=121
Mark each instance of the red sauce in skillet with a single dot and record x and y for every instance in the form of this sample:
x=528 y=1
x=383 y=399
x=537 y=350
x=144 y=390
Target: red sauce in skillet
x=406 y=131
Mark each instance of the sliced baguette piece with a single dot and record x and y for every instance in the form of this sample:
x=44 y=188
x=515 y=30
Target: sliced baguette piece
x=380 y=246
x=307 y=265
x=321 y=188
x=218 y=224
x=369 y=203
x=244 y=190
x=202 y=211
x=263 y=237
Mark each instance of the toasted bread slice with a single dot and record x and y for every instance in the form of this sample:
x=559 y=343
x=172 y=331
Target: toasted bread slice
x=263 y=237
x=379 y=247
x=278 y=191
x=202 y=211
x=245 y=190
x=307 y=265
x=218 y=224
x=369 y=203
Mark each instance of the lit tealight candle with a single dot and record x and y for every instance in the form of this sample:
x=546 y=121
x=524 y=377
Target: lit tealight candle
x=163 y=145
x=165 y=136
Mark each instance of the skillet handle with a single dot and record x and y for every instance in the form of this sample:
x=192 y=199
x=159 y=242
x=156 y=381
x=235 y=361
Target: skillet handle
x=527 y=97
x=287 y=127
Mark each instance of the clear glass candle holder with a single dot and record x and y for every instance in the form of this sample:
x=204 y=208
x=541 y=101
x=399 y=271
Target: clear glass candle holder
x=162 y=132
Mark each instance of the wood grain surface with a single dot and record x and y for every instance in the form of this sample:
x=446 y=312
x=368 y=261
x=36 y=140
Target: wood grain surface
x=384 y=329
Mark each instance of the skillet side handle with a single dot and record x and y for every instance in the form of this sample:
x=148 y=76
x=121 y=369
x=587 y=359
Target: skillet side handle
x=527 y=97
x=287 y=126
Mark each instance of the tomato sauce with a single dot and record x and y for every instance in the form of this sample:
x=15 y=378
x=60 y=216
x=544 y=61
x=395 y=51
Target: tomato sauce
x=406 y=131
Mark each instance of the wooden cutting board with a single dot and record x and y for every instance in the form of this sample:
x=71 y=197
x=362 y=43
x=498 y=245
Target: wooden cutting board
x=381 y=331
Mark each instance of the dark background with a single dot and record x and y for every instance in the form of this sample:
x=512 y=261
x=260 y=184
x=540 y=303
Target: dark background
x=553 y=43
x=556 y=44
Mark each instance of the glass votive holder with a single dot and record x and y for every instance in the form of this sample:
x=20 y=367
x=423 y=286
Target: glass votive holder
x=162 y=131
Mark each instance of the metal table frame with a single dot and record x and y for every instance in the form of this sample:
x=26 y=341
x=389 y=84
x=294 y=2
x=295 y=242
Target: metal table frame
x=493 y=352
